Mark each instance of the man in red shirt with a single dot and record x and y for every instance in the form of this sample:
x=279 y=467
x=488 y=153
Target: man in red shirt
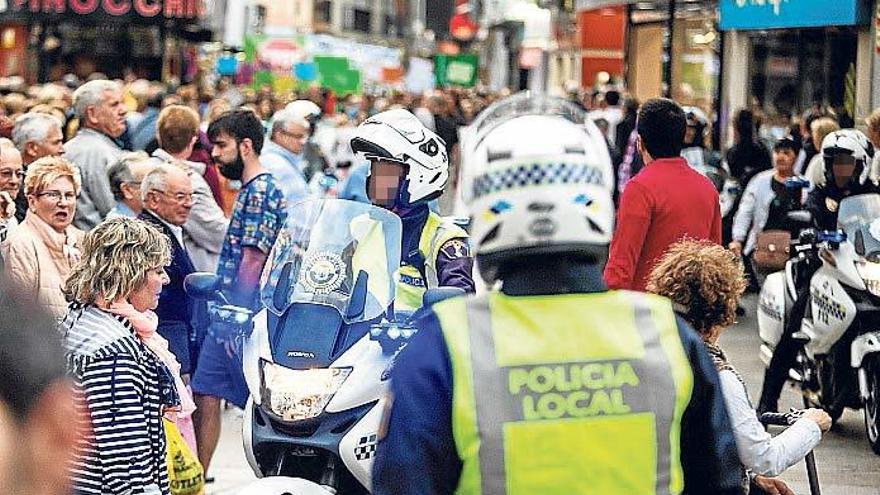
x=665 y=202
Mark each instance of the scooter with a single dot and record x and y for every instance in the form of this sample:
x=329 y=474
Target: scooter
x=318 y=353
x=839 y=363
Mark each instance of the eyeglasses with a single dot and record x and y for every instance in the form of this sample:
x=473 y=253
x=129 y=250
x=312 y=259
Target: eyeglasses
x=7 y=174
x=179 y=197
x=295 y=135
x=57 y=195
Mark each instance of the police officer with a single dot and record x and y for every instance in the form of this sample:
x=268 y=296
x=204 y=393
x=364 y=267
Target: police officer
x=847 y=155
x=553 y=384
x=409 y=167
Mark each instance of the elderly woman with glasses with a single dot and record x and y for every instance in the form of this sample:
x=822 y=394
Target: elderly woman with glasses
x=39 y=253
x=126 y=377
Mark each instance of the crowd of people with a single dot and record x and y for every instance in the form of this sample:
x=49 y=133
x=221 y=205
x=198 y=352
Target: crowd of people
x=113 y=192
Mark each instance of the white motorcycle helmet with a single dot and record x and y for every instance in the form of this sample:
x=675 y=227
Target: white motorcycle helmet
x=850 y=142
x=539 y=183
x=398 y=136
x=306 y=109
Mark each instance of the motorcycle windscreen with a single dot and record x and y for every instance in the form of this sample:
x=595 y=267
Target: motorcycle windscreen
x=859 y=218
x=335 y=253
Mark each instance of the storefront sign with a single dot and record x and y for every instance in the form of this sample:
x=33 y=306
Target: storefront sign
x=170 y=9
x=776 y=14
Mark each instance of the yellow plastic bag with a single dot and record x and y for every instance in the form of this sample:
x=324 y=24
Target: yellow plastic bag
x=185 y=473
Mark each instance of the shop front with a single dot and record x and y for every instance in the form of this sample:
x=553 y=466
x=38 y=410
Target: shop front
x=787 y=57
x=659 y=47
x=148 y=38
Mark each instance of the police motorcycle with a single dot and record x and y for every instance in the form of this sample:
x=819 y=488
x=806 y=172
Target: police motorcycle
x=839 y=363
x=318 y=353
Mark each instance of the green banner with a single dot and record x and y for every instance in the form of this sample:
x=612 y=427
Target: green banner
x=456 y=70
x=336 y=73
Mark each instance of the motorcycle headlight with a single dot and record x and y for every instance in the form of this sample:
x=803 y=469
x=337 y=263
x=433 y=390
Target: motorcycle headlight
x=294 y=395
x=870 y=273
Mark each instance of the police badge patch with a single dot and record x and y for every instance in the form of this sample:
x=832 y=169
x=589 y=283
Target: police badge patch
x=831 y=205
x=323 y=273
x=455 y=249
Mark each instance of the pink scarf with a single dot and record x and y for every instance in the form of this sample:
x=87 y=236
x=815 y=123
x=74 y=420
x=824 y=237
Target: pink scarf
x=145 y=324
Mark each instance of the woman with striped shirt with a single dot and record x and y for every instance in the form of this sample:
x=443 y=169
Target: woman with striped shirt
x=124 y=376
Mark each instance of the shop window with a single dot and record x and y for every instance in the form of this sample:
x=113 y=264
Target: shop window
x=322 y=11
x=794 y=70
x=361 y=20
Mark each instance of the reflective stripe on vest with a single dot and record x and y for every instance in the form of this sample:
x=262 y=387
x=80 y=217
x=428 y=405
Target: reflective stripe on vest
x=411 y=286
x=567 y=394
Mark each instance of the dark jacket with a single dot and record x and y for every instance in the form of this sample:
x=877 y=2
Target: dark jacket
x=418 y=455
x=747 y=158
x=823 y=202
x=454 y=264
x=175 y=309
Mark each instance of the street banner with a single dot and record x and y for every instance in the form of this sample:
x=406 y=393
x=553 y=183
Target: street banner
x=456 y=70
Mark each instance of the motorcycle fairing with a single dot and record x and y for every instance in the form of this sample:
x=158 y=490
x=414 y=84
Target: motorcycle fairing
x=833 y=312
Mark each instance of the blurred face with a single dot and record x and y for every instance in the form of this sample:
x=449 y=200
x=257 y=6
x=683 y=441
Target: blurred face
x=52 y=145
x=146 y=297
x=783 y=161
x=874 y=136
x=175 y=202
x=689 y=134
x=843 y=167
x=55 y=204
x=109 y=115
x=384 y=182
x=11 y=173
x=292 y=138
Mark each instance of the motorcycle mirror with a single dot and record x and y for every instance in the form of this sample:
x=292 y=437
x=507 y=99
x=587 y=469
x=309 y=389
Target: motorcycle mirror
x=203 y=286
x=358 y=300
x=433 y=296
x=801 y=216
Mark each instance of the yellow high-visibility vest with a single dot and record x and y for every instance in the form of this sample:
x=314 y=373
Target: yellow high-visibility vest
x=567 y=394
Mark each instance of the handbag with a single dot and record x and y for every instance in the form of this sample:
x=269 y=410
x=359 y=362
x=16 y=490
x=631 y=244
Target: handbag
x=772 y=250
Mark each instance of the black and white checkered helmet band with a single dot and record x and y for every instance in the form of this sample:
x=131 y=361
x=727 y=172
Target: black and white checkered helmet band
x=537 y=174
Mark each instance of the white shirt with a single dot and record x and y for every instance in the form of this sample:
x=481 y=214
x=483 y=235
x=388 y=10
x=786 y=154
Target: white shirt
x=176 y=230
x=758 y=451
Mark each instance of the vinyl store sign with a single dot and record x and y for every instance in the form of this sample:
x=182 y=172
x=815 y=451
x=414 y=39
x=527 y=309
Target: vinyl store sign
x=780 y=14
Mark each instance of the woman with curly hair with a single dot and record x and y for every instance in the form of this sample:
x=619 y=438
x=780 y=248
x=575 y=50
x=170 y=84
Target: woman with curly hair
x=705 y=282
x=126 y=377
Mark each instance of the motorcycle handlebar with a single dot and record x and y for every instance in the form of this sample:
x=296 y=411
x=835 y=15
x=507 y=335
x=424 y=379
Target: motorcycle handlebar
x=780 y=419
x=777 y=419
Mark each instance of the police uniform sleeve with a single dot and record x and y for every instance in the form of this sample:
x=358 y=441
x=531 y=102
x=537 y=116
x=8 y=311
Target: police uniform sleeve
x=708 y=448
x=455 y=265
x=417 y=453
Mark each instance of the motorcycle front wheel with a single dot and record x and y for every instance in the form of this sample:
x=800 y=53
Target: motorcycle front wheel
x=872 y=403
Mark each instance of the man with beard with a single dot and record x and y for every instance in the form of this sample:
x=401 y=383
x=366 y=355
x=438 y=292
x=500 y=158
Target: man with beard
x=258 y=215
x=101 y=113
